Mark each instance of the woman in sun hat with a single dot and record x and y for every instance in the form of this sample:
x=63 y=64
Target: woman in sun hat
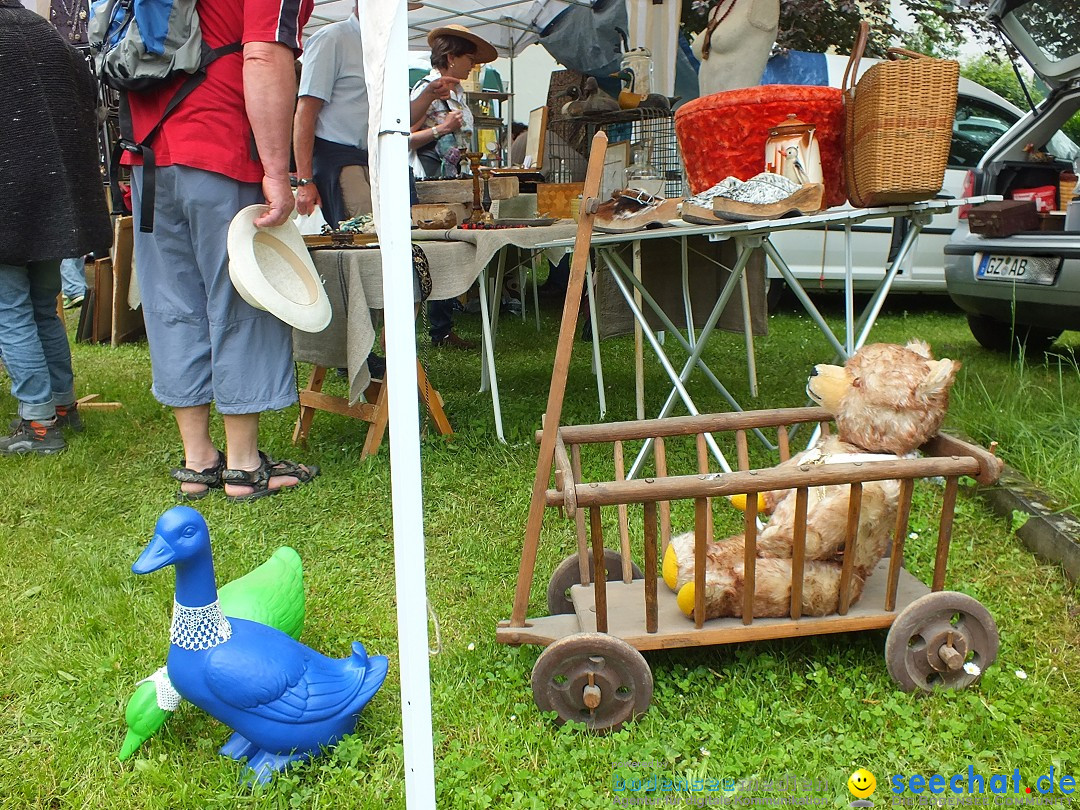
x=443 y=136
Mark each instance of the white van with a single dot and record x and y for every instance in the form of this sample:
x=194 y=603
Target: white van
x=818 y=262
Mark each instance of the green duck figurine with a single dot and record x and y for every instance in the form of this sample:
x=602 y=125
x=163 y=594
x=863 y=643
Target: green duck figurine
x=272 y=594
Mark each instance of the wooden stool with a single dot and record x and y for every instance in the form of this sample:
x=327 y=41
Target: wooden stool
x=375 y=411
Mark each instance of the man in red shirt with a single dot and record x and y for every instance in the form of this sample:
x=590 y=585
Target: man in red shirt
x=225 y=147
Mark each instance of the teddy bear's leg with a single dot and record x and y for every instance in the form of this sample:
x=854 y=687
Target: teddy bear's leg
x=724 y=588
x=678 y=564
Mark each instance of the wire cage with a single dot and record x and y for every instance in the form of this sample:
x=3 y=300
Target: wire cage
x=649 y=133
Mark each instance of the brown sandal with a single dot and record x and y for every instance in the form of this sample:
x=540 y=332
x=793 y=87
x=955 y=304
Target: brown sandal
x=259 y=478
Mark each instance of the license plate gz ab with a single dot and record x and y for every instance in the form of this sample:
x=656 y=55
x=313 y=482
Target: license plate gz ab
x=1019 y=269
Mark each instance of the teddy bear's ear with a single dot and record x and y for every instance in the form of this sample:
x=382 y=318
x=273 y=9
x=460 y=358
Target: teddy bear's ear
x=920 y=347
x=941 y=376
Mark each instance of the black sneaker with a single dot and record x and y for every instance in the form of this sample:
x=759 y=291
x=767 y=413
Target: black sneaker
x=33 y=437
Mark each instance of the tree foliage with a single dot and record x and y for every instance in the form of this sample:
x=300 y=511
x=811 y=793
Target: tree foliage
x=940 y=26
x=998 y=75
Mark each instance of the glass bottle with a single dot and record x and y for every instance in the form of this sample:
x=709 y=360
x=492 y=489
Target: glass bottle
x=641 y=174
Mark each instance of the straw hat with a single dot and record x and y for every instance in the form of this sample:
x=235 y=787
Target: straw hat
x=272 y=271
x=485 y=51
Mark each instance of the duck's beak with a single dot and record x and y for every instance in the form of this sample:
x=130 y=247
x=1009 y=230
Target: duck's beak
x=156 y=555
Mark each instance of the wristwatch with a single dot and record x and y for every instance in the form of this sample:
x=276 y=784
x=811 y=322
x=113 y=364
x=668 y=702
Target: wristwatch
x=304 y=181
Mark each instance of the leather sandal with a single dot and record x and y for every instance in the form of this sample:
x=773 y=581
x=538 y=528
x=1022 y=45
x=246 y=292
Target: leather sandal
x=259 y=478
x=210 y=478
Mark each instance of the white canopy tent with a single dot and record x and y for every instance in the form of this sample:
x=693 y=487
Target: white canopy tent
x=509 y=25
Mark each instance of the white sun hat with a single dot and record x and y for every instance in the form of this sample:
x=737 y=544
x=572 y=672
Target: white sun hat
x=272 y=271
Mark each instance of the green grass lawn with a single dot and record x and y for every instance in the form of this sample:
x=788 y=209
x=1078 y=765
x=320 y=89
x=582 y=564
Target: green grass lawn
x=78 y=629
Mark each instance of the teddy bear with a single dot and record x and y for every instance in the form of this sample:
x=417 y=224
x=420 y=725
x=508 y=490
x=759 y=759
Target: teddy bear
x=886 y=400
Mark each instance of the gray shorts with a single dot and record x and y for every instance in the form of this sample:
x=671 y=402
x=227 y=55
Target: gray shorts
x=206 y=343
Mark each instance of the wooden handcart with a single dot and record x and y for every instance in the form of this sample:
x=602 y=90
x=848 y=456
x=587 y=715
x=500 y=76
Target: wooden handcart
x=592 y=670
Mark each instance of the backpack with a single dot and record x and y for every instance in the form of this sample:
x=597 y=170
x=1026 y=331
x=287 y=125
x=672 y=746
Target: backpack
x=139 y=45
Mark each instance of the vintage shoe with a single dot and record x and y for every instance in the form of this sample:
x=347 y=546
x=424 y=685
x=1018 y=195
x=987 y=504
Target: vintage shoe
x=764 y=196
x=632 y=210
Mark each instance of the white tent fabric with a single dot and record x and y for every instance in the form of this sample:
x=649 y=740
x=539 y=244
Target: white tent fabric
x=509 y=25
x=382 y=23
x=654 y=24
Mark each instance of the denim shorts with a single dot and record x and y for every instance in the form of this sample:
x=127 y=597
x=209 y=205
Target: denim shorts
x=206 y=343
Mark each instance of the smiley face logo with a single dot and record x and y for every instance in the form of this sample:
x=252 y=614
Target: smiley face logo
x=861 y=783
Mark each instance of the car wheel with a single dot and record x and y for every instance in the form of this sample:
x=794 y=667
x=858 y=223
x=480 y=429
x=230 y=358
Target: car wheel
x=1002 y=337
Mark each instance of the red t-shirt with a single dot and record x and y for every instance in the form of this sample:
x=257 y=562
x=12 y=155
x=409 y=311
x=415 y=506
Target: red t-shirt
x=209 y=129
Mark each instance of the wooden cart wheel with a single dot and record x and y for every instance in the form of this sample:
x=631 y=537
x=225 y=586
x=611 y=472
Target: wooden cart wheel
x=935 y=636
x=568 y=573
x=592 y=678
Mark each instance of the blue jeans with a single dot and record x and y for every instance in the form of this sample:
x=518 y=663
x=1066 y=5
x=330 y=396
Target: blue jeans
x=33 y=340
x=73 y=276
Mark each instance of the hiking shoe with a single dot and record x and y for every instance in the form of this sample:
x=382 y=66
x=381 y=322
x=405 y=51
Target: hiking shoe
x=33 y=437
x=72 y=301
x=66 y=416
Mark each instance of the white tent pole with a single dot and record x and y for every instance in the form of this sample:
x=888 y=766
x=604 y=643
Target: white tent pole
x=394 y=221
x=510 y=107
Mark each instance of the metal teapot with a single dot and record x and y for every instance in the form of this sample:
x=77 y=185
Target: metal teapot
x=792 y=150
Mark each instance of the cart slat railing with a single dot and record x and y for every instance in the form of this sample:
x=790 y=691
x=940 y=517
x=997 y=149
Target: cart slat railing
x=952 y=458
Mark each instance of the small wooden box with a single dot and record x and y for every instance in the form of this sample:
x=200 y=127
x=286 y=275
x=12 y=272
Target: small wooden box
x=553 y=199
x=1004 y=218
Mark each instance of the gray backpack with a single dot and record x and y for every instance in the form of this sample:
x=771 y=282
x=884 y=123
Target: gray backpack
x=139 y=44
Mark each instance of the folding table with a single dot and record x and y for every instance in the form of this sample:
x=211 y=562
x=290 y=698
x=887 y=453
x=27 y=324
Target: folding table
x=750 y=237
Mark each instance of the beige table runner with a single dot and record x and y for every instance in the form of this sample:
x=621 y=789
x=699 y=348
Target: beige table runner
x=353 y=281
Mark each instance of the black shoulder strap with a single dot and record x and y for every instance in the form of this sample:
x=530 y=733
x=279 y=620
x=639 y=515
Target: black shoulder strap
x=128 y=143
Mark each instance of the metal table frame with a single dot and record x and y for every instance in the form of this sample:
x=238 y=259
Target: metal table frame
x=750 y=237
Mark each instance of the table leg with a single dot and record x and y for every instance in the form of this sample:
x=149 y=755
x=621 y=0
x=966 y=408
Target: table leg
x=307 y=412
x=380 y=418
x=432 y=400
x=688 y=306
x=748 y=333
x=849 y=294
x=487 y=361
x=536 y=258
x=598 y=367
x=639 y=353
x=877 y=301
x=496 y=298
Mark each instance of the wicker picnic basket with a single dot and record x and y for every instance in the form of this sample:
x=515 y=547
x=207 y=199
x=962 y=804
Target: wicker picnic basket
x=898 y=118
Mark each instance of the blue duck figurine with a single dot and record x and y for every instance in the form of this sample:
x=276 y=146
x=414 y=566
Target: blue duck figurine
x=271 y=594
x=284 y=701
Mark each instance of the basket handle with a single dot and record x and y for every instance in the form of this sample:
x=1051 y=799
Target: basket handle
x=857 y=50
x=895 y=53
